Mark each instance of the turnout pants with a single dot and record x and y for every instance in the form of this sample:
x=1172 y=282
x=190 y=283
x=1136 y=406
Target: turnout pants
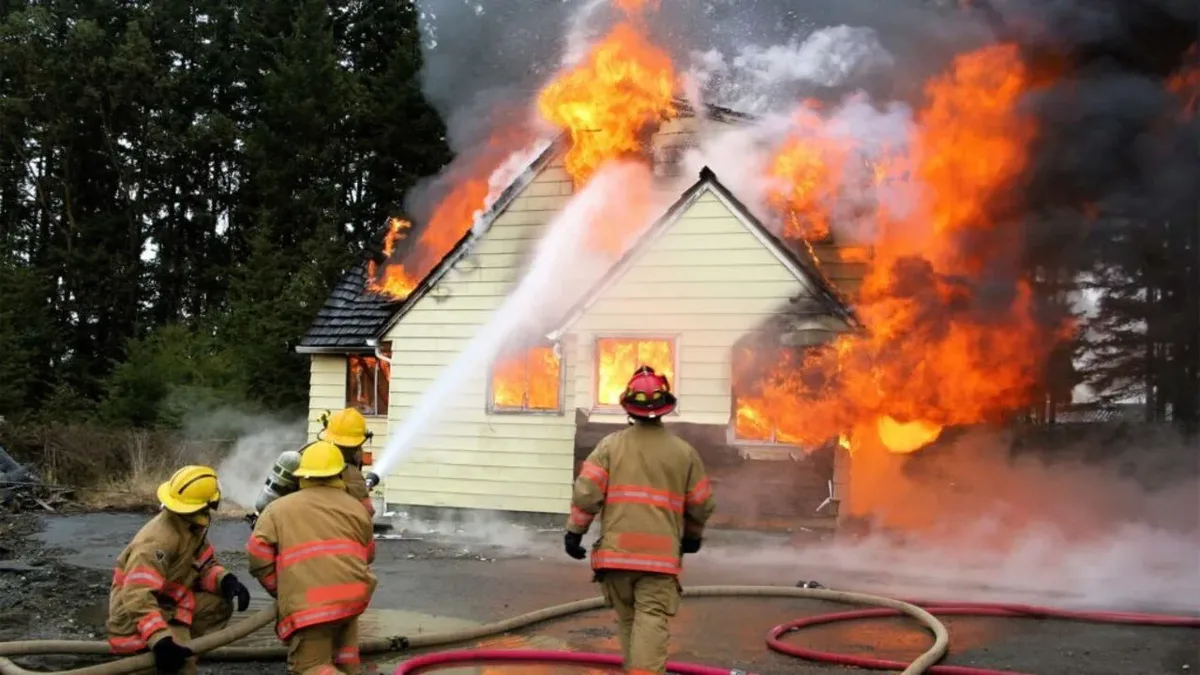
x=325 y=649
x=644 y=601
x=212 y=614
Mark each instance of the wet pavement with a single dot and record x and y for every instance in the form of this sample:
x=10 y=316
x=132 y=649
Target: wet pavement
x=446 y=579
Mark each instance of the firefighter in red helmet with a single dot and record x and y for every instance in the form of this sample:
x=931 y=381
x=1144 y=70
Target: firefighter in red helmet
x=654 y=497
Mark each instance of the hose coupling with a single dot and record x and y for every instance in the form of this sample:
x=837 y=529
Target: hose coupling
x=809 y=584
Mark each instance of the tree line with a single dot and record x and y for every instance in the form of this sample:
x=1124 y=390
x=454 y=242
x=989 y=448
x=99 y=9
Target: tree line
x=181 y=181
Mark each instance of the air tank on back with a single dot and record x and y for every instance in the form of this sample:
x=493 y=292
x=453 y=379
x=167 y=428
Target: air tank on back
x=281 y=480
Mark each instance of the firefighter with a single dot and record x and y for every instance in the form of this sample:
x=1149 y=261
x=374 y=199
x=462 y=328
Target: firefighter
x=168 y=587
x=347 y=429
x=311 y=550
x=655 y=498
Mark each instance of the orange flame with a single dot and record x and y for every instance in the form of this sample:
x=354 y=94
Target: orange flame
x=930 y=356
x=618 y=358
x=1185 y=82
x=807 y=173
x=451 y=220
x=606 y=103
x=392 y=280
x=527 y=379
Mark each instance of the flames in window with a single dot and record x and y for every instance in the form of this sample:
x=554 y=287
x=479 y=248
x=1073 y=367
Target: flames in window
x=752 y=412
x=527 y=379
x=617 y=358
x=368 y=381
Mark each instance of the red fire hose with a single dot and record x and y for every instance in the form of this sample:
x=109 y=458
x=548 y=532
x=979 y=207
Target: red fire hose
x=439 y=660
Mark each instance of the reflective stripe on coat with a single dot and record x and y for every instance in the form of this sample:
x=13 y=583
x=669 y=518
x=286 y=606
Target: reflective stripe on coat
x=311 y=550
x=155 y=580
x=649 y=489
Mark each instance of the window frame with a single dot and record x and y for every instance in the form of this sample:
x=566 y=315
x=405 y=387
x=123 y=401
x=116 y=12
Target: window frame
x=491 y=408
x=386 y=349
x=616 y=409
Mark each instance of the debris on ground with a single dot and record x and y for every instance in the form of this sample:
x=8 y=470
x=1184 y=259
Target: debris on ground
x=21 y=490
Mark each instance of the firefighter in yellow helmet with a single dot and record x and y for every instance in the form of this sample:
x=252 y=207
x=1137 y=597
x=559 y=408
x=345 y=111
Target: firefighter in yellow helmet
x=347 y=429
x=167 y=586
x=311 y=550
x=653 y=497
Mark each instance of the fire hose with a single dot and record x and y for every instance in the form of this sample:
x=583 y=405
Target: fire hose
x=214 y=649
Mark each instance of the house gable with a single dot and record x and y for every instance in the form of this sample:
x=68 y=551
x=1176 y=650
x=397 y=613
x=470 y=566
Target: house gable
x=702 y=277
x=354 y=315
x=717 y=201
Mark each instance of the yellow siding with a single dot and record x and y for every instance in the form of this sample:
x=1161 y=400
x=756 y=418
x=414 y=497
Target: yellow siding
x=467 y=457
x=327 y=391
x=706 y=281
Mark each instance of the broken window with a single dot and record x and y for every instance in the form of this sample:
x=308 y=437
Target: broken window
x=527 y=379
x=618 y=358
x=368 y=382
x=754 y=409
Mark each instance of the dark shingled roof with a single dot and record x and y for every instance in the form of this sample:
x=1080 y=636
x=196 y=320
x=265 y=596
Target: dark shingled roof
x=351 y=315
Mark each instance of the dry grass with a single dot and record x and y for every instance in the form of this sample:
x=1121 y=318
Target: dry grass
x=109 y=469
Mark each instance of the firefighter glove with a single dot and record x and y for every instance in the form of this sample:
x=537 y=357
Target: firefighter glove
x=232 y=588
x=573 y=544
x=689 y=545
x=170 y=656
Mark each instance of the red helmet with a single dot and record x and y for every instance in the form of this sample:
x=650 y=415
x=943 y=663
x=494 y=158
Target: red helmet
x=648 y=394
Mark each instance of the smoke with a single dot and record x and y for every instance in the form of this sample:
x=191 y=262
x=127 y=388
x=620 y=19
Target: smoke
x=618 y=193
x=1085 y=524
x=741 y=156
x=259 y=439
x=760 y=80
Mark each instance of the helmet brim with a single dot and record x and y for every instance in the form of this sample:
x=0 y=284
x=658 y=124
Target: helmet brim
x=342 y=440
x=317 y=473
x=668 y=405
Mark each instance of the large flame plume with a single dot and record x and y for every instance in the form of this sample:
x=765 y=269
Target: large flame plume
x=934 y=352
x=624 y=87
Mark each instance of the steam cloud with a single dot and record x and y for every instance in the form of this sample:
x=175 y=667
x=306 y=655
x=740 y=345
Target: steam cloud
x=259 y=441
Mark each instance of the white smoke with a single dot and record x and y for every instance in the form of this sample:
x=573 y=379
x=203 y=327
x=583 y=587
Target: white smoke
x=1089 y=524
x=258 y=441
x=757 y=80
x=871 y=133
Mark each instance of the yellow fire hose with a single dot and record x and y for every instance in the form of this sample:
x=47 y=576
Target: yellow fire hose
x=213 y=645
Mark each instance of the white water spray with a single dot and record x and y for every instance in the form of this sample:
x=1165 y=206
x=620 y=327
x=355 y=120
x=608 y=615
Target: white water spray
x=558 y=260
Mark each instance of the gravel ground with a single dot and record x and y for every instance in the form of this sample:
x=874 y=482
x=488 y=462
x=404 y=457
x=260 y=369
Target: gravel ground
x=54 y=575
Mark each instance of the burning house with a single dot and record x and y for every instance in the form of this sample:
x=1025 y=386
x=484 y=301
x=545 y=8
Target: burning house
x=703 y=282
x=836 y=291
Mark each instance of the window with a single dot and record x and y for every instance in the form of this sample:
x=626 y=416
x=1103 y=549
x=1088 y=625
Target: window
x=754 y=409
x=528 y=379
x=368 y=382
x=617 y=358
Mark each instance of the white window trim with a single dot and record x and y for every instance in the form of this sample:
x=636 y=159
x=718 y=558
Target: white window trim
x=491 y=409
x=610 y=409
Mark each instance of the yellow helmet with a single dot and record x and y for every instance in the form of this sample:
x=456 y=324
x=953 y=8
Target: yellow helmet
x=346 y=427
x=320 y=460
x=191 y=489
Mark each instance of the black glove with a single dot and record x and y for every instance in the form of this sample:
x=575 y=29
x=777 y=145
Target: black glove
x=169 y=656
x=689 y=545
x=232 y=588
x=573 y=544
